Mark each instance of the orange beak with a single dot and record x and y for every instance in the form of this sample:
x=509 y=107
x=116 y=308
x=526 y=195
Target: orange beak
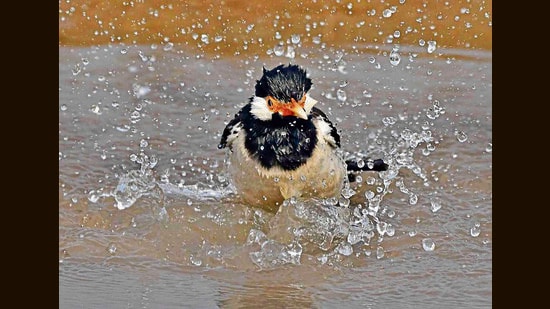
x=293 y=108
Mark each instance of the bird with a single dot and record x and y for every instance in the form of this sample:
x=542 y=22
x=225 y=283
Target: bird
x=282 y=146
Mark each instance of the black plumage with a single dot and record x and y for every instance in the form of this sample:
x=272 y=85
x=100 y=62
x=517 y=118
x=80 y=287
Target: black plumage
x=283 y=83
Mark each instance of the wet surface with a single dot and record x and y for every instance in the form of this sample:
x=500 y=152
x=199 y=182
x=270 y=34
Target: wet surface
x=148 y=219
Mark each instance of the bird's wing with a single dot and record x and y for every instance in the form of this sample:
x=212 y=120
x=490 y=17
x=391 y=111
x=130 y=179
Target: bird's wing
x=231 y=131
x=328 y=130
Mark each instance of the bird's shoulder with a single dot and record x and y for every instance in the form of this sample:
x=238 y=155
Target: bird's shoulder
x=234 y=126
x=327 y=129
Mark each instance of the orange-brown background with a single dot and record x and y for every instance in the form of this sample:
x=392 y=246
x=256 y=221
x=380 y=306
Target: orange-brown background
x=251 y=26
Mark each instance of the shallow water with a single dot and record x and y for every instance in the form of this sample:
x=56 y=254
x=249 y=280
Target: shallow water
x=147 y=218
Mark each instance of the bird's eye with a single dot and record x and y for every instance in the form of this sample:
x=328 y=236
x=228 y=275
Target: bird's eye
x=269 y=102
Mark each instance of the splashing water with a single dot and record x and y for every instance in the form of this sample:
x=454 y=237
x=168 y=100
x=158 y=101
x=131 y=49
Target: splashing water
x=136 y=183
x=144 y=182
x=273 y=253
x=355 y=224
x=330 y=228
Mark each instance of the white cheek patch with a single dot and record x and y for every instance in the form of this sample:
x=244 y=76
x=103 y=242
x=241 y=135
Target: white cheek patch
x=259 y=109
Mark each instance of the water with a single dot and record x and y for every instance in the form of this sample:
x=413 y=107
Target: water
x=148 y=219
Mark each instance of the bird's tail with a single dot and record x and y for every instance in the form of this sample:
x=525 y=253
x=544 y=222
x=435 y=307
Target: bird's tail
x=377 y=165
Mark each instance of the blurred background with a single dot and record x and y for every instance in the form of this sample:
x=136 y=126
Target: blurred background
x=231 y=27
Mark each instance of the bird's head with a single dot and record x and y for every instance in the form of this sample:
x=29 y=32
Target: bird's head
x=282 y=91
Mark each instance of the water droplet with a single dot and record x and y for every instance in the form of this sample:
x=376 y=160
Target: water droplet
x=388 y=121
x=168 y=46
x=316 y=40
x=93 y=196
x=135 y=116
x=390 y=230
x=343 y=201
x=63 y=107
x=413 y=199
x=421 y=42
x=396 y=34
x=461 y=136
x=140 y=91
x=435 y=204
x=370 y=163
x=143 y=143
x=143 y=57
x=153 y=161
x=279 y=50
x=290 y=53
x=395 y=58
x=381 y=228
x=475 y=230
x=360 y=163
x=379 y=252
x=294 y=252
x=341 y=95
x=387 y=13
x=76 y=69
x=111 y=248
x=489 y=147
x=432 y=45
x=95 y=109
x=369 y=194
x=431 y=113
x=345 y=248
x=195 y=260
x=428 y=244
x=295 y=38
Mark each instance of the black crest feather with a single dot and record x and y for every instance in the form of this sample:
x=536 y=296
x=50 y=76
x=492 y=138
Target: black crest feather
x=283 y=82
